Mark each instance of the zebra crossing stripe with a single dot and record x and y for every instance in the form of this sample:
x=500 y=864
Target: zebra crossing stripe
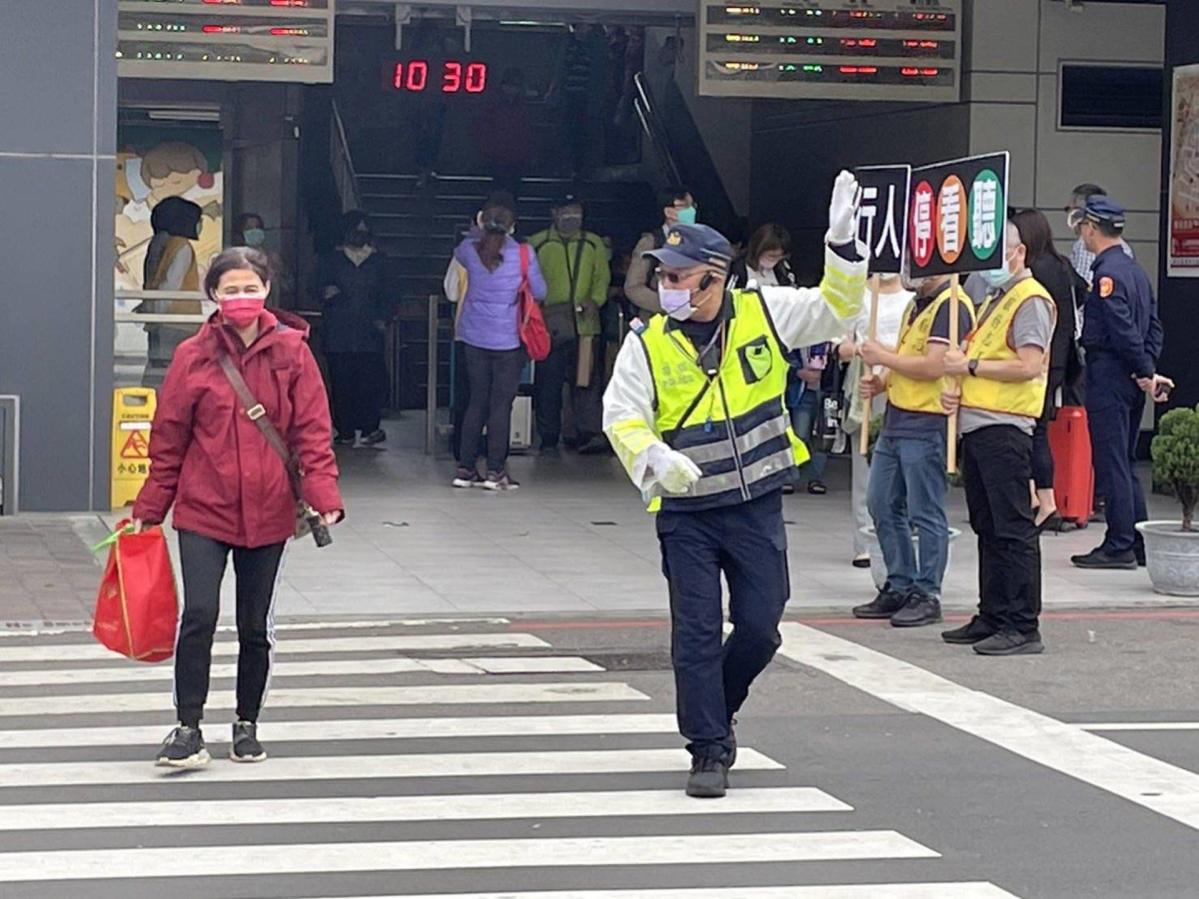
x=435 y=855
x=454 y=807
x=338 y=667
x=346 y=767
x=955 y=890
x=87 y=652
x=360 y=729
x=319 y=697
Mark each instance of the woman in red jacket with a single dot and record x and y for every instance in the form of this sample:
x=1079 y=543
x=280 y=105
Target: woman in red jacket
x=230 y=489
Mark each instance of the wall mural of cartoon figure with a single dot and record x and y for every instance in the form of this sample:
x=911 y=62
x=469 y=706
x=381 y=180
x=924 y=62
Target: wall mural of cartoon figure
x=169 y=196
x=157 y=163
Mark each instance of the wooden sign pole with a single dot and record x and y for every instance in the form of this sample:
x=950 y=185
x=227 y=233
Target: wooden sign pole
x=951 y=448
x=864 y=435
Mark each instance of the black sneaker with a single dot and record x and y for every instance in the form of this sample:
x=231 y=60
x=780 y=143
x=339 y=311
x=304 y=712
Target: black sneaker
x=374 y=437
x=1102 y=559
x=886 y=604
x=919 y=611
x=339 y=440
x=183 y=748
x=862 y=561
x=972 y=632
x=246 y=747
x=1009 y=642
x=467 y=477
x=499 y=481
x=709 y=778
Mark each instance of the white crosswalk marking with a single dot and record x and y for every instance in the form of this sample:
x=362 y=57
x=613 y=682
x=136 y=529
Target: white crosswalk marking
x=361 y=729
x=401 y=665
x=977 y=890
x=545 y=781
x=90 y=652
x=345 y=767
x=436 y=855
x=483 y=807
x=289 y=698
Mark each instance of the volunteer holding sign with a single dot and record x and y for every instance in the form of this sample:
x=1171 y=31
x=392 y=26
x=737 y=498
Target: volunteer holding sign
x=1003 y=373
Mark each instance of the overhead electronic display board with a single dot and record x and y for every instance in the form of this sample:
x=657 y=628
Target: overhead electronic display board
x=832 y=49
x=226 y=40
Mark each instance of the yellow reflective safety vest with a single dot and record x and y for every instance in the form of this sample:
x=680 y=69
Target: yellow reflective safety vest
x=991 y=339
x=910 y=394
x=732 y=422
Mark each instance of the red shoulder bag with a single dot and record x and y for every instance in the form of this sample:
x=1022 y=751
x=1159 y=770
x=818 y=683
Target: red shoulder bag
x=533 y=332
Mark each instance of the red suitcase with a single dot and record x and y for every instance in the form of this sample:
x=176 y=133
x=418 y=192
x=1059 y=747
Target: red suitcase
x=1073 y=474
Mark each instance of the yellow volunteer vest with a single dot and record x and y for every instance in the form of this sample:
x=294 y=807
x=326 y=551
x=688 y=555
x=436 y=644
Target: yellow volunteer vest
x=910 y=394
x=734 y=424
x=991 y=340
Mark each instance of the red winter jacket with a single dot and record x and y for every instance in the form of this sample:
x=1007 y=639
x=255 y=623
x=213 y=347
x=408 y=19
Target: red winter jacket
x=211 y=461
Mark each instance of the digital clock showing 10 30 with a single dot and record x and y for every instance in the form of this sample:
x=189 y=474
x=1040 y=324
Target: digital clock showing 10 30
x=415 y=76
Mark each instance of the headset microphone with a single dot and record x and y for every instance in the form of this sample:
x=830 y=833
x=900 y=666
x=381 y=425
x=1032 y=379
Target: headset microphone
x=707 y=280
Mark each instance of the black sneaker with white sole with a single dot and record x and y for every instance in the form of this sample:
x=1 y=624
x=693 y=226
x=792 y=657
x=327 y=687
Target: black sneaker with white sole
x=183 y=748
x=246 y=747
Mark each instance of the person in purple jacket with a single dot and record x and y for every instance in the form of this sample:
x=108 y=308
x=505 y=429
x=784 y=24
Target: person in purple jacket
x=488 y=330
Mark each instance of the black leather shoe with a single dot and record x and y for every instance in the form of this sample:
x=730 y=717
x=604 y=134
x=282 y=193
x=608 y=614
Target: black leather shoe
x=972 y=632
x=919 y=611
x=1010 y=642
x=709 y=778
x=886 y=604
x=1100 y=558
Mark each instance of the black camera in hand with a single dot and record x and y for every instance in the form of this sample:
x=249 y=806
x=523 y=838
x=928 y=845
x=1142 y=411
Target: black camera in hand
x=320 y=530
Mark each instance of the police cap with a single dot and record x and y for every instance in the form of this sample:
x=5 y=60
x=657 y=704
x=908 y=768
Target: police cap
x=1103 y=210
x=689 y=245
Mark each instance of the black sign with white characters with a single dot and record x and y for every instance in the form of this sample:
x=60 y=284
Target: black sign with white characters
x=883 y=215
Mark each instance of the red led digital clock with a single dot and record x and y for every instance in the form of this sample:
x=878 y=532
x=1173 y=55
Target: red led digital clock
x=416 y=76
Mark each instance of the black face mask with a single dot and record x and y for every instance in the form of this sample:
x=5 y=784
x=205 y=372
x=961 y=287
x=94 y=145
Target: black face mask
x=358 y=239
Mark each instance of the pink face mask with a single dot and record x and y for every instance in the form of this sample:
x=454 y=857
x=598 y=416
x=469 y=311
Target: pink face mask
x=242 y=310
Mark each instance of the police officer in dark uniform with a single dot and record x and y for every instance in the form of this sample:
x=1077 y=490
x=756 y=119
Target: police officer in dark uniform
x=1123 y=339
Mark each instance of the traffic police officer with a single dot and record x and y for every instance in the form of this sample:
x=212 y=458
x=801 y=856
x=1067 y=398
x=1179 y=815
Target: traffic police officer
x=695 y=411
x=1122 y=338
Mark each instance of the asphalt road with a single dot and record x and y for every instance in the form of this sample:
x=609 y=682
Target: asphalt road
x=537 y=759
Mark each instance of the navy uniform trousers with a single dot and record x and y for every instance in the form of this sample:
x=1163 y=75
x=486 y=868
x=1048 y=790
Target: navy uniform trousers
x=748 y=544
x=1115 y=405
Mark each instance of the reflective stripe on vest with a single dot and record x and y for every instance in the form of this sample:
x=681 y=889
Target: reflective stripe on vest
x=992 y=340
x=739 y=433
x=910 y=394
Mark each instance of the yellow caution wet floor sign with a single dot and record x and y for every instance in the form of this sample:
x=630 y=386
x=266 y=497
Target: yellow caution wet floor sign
x=132 y=413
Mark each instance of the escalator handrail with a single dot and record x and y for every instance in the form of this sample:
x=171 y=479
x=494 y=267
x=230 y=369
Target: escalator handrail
x=652 y=125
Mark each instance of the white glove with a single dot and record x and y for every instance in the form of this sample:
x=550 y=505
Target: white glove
x=843 y=210
x=674 y=471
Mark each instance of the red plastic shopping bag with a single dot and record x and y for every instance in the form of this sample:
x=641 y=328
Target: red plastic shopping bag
x=137 y=610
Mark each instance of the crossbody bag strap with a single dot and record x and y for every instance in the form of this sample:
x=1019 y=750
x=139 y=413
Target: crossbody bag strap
x=256 y=412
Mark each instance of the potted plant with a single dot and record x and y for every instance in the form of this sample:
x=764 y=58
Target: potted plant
x=1171 y=548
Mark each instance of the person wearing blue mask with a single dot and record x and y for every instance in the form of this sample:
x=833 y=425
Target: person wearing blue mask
x=696 y=412
x=1003 y=373
x=641 y=282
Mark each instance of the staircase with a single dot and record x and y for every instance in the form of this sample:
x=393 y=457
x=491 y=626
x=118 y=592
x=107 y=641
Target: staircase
x=419 y=228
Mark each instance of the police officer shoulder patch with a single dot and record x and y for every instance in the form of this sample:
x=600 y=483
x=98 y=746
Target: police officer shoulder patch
x=1106 y=287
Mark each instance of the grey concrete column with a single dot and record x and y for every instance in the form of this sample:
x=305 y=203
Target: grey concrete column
x=57 y=150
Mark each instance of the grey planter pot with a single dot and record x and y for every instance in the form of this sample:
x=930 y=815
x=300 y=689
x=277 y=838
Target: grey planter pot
x=1171 y=557
x=878 y=568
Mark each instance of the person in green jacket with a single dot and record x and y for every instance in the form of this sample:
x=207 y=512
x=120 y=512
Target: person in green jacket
x=576 y=266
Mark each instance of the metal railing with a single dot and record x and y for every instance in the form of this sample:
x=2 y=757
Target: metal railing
x=654 y=130
x=431 y=398
x=122 y=314
x=343 y=163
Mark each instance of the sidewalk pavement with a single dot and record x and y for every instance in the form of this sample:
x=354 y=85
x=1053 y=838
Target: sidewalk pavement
x=573 y=540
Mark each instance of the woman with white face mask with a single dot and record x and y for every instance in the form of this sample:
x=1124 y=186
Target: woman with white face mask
x=488 y=328
x=229 y=489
